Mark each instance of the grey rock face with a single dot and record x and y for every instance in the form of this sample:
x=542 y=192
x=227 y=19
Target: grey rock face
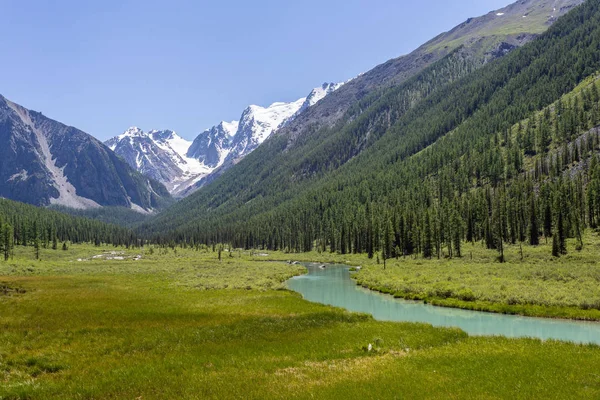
x=46 y=162
x=211 y=145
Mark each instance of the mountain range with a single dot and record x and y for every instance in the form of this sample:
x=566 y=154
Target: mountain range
x=44 y=162
x=184 y=166
x=273 y=153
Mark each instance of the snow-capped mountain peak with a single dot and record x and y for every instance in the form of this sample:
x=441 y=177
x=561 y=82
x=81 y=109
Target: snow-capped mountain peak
x=258 y=123
x=319 y=93
x=160 y=154
x=212 y=146
x=230 y=127
x=315 y=96
x=180 y=164
x=132 y=132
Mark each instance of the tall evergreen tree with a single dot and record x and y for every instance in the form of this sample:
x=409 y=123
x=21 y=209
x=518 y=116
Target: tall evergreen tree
x=534 y=231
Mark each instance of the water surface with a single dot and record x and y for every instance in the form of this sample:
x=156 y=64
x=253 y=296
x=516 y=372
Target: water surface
x=333 y=286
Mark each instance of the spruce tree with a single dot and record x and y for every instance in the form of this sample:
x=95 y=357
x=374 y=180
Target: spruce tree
x=547 y=221
x=427 y=239
x=562 y=235
x=6 y=240
x=555 y=245
x=534 y=230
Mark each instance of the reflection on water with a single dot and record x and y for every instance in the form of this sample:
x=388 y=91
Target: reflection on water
x=333 y=286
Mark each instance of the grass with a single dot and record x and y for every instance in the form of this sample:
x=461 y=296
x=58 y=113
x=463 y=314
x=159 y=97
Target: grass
x=498 y=28
x=178 y=267
x=538 y=285
x=150 y=329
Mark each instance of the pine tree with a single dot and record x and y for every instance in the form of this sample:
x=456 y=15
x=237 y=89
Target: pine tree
x=36 y=247
x=547 y=221
x=427 y=239
x=534 y=230
x=555 y=245
x=562 y=235
x=6 y=240
x=388 y=240
x=457 y=233
x=370 y=236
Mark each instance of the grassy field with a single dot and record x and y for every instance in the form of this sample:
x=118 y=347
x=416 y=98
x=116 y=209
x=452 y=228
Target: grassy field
x=538 y=285
x=185 y=325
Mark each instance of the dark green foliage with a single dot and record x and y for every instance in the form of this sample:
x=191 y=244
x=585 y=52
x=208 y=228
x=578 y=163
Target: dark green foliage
x=38 y=227
x=110 y=215
x=6 y=240
x=497 y=154
x=534 y=235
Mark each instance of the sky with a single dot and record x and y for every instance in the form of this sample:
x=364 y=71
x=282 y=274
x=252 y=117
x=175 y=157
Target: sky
x=185 y=65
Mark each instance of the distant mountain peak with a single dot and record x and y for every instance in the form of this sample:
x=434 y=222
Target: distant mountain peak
x=319 y=93
x=160 y=154
x=133 y=131
x=230 y=127
x=180 y=164
x=46 y=162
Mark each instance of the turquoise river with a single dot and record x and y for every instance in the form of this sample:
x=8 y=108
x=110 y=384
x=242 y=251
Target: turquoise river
x=333 y=285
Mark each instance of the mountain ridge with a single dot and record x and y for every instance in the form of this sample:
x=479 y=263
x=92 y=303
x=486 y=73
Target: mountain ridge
x=483 y=36
x=47 y=162
x=187 y=168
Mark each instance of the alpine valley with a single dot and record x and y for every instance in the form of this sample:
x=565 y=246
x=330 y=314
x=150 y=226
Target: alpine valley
x=429 y=229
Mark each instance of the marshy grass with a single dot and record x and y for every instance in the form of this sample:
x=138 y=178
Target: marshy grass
x=166 y=326
x=535 y=284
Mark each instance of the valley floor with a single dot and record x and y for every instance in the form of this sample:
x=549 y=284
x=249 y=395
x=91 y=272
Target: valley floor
x=100 y=322
x=537 y=285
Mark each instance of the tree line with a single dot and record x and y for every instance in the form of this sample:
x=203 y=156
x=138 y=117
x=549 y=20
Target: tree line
x=505 y=153
x=27 y=225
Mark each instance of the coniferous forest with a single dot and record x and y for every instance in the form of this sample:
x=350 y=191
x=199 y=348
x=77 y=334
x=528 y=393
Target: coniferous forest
x=505 y=153
x=26 y=225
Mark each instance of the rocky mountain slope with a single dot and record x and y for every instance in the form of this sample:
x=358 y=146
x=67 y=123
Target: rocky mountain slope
x=212 y=146
x=484 y=38
x=44 y=162
x=161 y=155
x=184 y=166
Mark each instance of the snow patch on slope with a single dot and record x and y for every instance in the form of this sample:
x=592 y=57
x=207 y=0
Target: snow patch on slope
x=177 y=148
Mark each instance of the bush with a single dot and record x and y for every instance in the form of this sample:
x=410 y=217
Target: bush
x=466 y=295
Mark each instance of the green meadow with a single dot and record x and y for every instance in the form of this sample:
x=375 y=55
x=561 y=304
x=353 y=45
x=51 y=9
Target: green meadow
x=105 y=322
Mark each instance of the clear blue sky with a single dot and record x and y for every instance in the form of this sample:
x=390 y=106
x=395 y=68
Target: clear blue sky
x=105 y=65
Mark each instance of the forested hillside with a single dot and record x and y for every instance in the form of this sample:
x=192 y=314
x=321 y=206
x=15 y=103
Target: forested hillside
x=505 y=153
x=486 y=38
x=26 y=225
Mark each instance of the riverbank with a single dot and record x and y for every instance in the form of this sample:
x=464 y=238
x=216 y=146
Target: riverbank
x=334 y=286
x=163 y=325
x=534 y=284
